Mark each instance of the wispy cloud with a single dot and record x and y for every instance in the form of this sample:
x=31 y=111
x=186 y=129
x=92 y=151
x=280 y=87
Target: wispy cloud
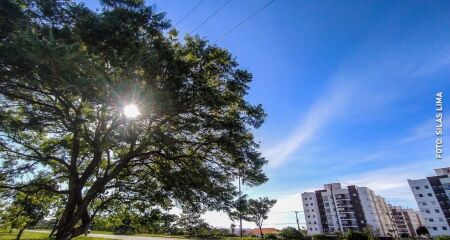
x=422 y=131
x=391 y=182
x=320 y=115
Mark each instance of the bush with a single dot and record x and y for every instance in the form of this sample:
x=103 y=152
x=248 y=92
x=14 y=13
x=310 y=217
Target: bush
x=356 y=236
x=291 y=233
x=443 y=238
x=320 y=237
x=124 y=230
x=270 y=236
x=404 y=235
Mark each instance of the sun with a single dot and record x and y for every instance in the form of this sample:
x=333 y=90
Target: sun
x=131 y=111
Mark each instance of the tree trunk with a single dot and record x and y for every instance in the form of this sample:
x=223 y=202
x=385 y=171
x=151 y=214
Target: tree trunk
x=19 y=234
x=260 y=230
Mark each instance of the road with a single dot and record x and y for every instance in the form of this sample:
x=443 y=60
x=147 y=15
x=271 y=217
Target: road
x=120 y=237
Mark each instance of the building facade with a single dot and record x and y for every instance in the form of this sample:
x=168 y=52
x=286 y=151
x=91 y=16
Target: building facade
x=406 y=221
x=432 y=195
x=413 y=221
x=336 y=209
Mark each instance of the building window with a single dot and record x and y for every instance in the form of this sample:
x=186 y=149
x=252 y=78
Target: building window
x=306 y=204
x=430 y=195
x=417 y=187
x=441 y=219
x=433 y=203
x=310 y=198
x=311 y=204
x=420 y=195
x=435 y=228
x=431 y=220
x=427 y=211
x=426 y=187
x=436 y=210
x=312 y=210
x=444 y=228
x=310 y=229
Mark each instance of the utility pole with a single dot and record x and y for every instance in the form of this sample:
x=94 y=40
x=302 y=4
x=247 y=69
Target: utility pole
x=240 y=214
x=296 y=217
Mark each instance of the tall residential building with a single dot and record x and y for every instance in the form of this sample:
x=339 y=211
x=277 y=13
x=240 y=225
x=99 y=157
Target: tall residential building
x=337 y=209
x=412 y=221
x=406 y=221
x=432 y=195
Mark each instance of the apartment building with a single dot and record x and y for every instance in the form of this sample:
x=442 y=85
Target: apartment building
x=432 y=195
x=406 y=221
x=337 y=209
x=413 y=221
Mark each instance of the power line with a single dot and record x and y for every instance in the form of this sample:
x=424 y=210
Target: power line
x=189 y=12
x=287 y=212
x=281 y=224
x=212 y=15
x=244 y=21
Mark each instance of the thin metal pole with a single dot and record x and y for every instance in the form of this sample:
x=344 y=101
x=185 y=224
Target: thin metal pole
x=240 y=214
x=298 y=224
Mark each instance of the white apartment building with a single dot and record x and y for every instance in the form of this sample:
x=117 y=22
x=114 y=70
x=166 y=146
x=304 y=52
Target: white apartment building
x=337 y=209
x=432 y=195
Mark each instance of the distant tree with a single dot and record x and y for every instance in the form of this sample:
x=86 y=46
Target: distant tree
x=257 y=211
x=423 y=231
x=289 y=233
x=66 y=75
x=233 y=228
x=26 y=211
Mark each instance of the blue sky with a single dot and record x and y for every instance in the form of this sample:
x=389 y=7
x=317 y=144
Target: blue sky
x=349 y=88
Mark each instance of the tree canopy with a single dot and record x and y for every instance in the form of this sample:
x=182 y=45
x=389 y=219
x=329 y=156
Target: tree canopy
x=257 y=210
x=66 y=74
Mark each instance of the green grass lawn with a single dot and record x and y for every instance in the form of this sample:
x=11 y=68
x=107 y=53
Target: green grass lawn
x=5 y=235
x=43 y=235
x=142 y=234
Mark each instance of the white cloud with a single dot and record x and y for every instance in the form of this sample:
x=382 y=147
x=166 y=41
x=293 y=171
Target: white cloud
x=392 y=183
x=320 y=115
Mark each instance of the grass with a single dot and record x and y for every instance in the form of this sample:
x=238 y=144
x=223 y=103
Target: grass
x=40 y=235
x=27 y=235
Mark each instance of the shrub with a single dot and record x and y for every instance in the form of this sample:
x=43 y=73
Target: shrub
x=320 y=237
x=443 y=238
x=356 y=236
x=124 y=230
x=291 y=233
x=404 y=235
x=270 y=236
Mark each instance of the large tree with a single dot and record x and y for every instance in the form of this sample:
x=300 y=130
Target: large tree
x=66 y=75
